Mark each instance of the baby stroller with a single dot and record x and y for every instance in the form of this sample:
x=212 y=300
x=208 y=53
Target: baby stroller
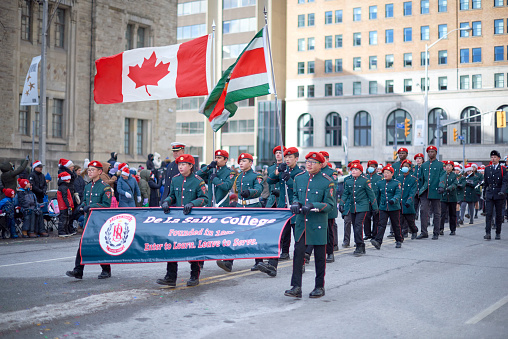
x=50 y=213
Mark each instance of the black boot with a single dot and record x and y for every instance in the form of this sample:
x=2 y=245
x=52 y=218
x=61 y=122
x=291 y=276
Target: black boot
x=193 y=281
x=268 y=269
x=376 y=244
x=330 y=258
x=318 y=292
x=104 y=275
x=225 y=265
x=166 y=281
x=74 y=274
x=295 y=292
x=359 y=250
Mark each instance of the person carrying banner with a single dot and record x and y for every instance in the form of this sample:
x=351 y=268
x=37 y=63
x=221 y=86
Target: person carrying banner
x=187 y=190
x=178 y=149
x=409 y=188
x=274 y=191
x=97 y=195
x=312 y=201
x=222 y=180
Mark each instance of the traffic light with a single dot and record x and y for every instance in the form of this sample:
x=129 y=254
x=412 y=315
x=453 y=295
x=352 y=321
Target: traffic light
x=394 y=155
x=407 y=127
x=455 y=134
x=501 y=119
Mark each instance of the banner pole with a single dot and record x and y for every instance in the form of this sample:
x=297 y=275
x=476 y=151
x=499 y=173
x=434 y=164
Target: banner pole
x=214 y=203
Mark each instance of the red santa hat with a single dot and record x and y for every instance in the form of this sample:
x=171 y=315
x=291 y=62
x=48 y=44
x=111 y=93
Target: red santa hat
x=65 y=163
x=468 y=167
x=37 y=163
x=122 y=165
x=23 y=182
x=64 y=176
x=125 y=170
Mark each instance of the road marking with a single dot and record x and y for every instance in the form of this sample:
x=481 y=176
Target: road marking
x=486 y=312
x=37 y=261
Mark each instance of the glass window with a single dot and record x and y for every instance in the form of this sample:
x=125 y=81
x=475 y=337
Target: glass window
x=338 y=89
x=464 y=56
x=129 y=43
x=373 y=38
x=39 y=25
x=408 y=34
x=424 y=7
x=141 y=37
x=477 y=81
x=357 y=14
x=310 y=67
x=373 y=62
x=338 y=65
x=443 y=57
x=443 y=30
x=502 y=133
x=127 y=135
x=57 y=118
x=389 y=36
x=372 y=12
x=328 y=90
x=432 y=127
x=422 y=85
x=59 y=27
x=499 y=80
x=477 y=28
x=422 y=59
x=310 y=44
x=499 y=53
x=301 y=1
x=408 y=59
x=139 y=137
x=190 y=103
x=310 y=19
x=389 y=11
x=195 y=7
x=338 y=41
x=328 y=17
x=234 y=51
x=357 y=88
x=442 y=83
x=328 y=41
x=301 y=91
x=372 y=87
x=357 y=64
x=194 y=31
x=499 y=26
x=477 y=4
x=24 y=126
x=398 y=116
x=237 y=3
x=26 y=22
x=388 y=86
x=338 y=16
x=424 y=32
x=389 y=61
x=357 y=39
x=442 y=6
x=362 y=129
x=471 y=129
x=464 y=33
x=301 y=20
x=408 y=8
x=301 y=44
x=333 y=130
x=328 y=66
x=464 y=5
x=464 y=82
x=477 y=54
x=498 y=3
x=301 y=68
x=305 y=130
x=310 y=91
x=408 y=85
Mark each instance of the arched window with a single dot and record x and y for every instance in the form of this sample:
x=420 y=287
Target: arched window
x=305 y=130
x=433 y=126
x=362 y=129
x=396 y=119
x=502 y=133
x=333 y=130
x=471 y=129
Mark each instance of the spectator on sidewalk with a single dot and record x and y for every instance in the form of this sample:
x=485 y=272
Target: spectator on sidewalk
x=65 y=205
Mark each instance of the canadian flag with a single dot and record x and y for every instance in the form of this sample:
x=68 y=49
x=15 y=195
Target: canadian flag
x=155 y=73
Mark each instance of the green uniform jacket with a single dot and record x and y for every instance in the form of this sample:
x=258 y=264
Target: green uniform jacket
x=358 y=192
x=334 y=213
x=481 y=178
x=430 y=174
x=276 y=181
x=461 y=187
x=396 y=167
x=318 y=190
x=409 y=187
x=470 y=193
x=184 y=190
x=97 y=195
x=223 y=182
x=386 y=191
x=272 y=199
x=417 y=174
x=346 y=203
x=251 y=181
x=449 y=183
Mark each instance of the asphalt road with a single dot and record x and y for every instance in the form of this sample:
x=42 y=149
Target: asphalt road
x=455 y=287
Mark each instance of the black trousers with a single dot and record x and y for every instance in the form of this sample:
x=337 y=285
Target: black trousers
x=449 y=209
x=357 y=219
x=407 y=222
x=285 y=238
x=490 y=203
x=395 y=222
x=172 y=269
x=335 y=234
x=417 y=204
x=426 y=205
x=298 y=259
x=370 y=225
x=78 y=267
x=347 y=228
x=63 y=222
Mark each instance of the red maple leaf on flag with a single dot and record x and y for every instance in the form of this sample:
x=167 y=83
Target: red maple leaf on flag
x=148 y=73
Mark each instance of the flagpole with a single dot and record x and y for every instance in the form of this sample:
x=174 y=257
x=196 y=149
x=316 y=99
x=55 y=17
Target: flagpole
x=277 y=112
x=214 y=203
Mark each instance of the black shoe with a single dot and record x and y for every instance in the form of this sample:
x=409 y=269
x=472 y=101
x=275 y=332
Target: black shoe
x=74 y=274
x=391 y=235
x=441 y=232
x=487 y=236
x=461 y=222
x=193 y=281
x=306 y=259
x=166 y=281
x=476 y=216
x=398 y=244
x=318 y=292
x=255 y=267
x=268 y=269
x=471 y=222
x=483 y=214
x=376 y=244
x=452 y=233
x=295 y=292
x=435 y=237
x=330 y=258
x=335 y=248
x=225 y=265
x=467 y=216
x=345 y=244
x=104 y=275
x=359 y=250
x=284 y=256
x=422 y=236
x=498 y=236
x=366 y=237
x=414 y=235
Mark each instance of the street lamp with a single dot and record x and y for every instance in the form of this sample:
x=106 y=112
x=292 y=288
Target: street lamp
x=426 y=84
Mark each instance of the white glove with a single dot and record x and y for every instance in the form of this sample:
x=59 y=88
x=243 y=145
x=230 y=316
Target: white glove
x=145 y=201
x=128 y=195
x=139 y=199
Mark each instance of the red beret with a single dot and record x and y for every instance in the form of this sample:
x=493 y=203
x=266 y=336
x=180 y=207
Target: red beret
x=23 y=182
x=185 y=158
x=356 y=165
x=372 y=162
x=9 y=192
x=278 y=149
x=98 y=164
x=353 y=162
x=329 y=165
x=245 y=156
x=419 y=155
x=315 y=156
x=448 y=162
x=222 y=153
x=430 y=148
x=388 y=168
x=325 y=154
x=402 y=149
x=64 y=176
x=406 y=161
x=290 y=150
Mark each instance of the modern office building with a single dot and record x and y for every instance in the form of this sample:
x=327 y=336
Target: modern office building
x=355 y=69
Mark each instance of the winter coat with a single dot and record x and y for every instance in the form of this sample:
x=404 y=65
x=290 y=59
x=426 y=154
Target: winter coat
x=64 y=197
x=79 y=186
x=144 y=177
x=73 y=175
x=154 y=190
x=110 y=180
x=149 y=163
x=39 y=186
x=112 y=160
x=131 y=186
x=7 y=206
x=26 y=200
x=9 y=174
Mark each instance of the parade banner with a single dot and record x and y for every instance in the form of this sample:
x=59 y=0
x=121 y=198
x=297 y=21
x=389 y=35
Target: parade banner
x=30 y=95
x=141 y=235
